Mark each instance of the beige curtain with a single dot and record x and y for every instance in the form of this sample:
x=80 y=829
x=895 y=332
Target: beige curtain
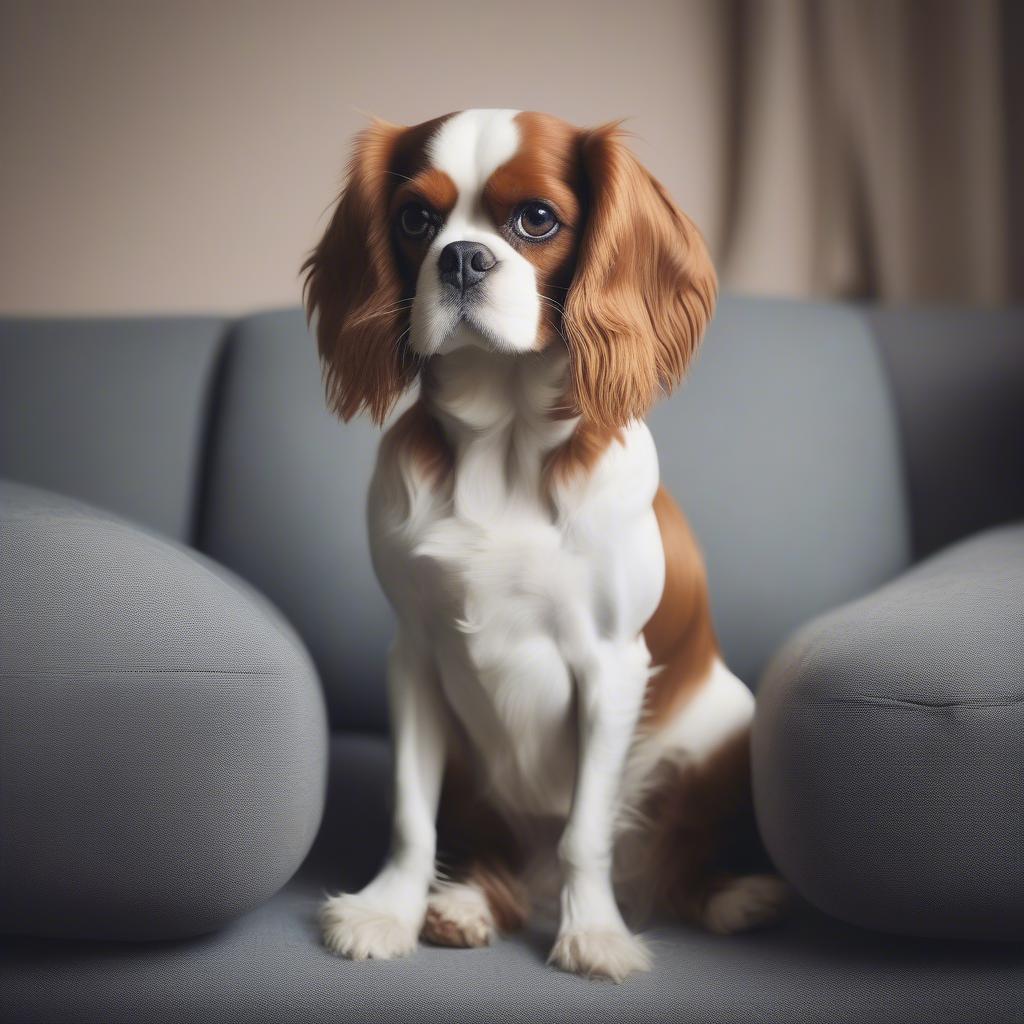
x=874 y=148
x=827 y=148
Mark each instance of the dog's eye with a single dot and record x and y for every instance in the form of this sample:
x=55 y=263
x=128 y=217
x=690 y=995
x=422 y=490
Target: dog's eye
x=416 y=221
x=535 y=221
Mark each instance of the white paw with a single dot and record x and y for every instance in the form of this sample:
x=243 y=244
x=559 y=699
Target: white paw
x=458 y=915
x=361 y=928
x=746 y=902
x=610 y=954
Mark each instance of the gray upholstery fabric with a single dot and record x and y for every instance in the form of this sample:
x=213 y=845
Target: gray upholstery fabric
x=783 y=452
x=781 y=449
x=269 y=966
x=286 y=509
x=889 y=749
x=162 y=731
x=111 y=411
x=958 y=378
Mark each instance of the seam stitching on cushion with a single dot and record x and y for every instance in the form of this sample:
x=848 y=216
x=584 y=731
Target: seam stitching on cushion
x=868 y=698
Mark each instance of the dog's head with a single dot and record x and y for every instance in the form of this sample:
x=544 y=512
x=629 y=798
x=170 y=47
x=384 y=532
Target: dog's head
x=512 y=231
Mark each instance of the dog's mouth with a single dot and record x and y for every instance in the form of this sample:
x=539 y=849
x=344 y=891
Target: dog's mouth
x=498 y=320
x=466 y=320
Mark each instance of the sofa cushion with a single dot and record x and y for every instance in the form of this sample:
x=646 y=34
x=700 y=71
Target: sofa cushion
x=162 y=731
x=889 y=749
x=111 y=411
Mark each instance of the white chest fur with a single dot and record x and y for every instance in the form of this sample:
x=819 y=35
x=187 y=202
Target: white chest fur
x=499 y=578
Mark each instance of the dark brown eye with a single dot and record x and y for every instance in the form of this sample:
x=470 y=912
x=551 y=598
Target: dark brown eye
x=535 y=221
x=416 y=221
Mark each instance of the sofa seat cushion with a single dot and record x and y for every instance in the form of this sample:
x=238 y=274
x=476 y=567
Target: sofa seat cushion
x=889 y=749
x=162 y=731
x=269 y=965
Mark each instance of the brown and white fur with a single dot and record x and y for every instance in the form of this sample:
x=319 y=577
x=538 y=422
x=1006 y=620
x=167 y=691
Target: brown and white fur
x=555 y=671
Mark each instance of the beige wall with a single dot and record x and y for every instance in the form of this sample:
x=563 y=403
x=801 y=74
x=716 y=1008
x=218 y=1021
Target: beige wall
x=178 y=156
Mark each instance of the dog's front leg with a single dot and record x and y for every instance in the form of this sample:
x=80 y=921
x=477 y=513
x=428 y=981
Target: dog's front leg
x=384 y=919
x=592 y=937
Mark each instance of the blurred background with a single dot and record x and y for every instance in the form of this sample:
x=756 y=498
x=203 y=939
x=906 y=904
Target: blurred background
x=182 y=156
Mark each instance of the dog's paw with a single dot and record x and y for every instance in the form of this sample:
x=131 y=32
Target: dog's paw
x=747 y=902
x=356 y=927
x=458 y=915
x=611 y=954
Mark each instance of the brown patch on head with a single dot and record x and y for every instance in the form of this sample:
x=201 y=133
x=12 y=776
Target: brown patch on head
x=430 y=188
x=680 y=634
x=643 y=290
x=355 y=283
x=414 y=180
x=546 y=168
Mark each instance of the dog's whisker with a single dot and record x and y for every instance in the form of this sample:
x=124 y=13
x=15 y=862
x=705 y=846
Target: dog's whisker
x=565 y=315
x=377 y=314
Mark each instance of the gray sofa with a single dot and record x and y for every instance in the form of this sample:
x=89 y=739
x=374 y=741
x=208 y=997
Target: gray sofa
x=180 y=781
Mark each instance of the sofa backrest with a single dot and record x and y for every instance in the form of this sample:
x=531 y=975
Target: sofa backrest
x=111 y=411
x=957 y=376
x=783 y=448
x=285 y=508
x=783 y=451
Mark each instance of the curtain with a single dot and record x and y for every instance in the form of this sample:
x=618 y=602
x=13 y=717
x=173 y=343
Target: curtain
x=873 y=148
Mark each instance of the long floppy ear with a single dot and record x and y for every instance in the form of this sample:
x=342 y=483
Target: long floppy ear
x=643 y=291
x=353 y=285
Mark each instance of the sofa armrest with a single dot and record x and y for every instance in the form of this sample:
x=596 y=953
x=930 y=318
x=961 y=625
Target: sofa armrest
x=163 y=740
x=888 y=749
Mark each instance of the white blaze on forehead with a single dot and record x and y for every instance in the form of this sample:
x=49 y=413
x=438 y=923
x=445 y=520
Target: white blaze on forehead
x=471 y=146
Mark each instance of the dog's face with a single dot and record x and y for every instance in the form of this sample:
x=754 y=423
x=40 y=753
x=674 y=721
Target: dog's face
x=487 y=229
x=509 y=231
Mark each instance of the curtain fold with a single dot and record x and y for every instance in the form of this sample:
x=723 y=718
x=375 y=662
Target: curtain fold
x=872 y=149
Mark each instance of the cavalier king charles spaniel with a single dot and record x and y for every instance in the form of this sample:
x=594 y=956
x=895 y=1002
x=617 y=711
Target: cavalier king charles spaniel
x=555 y=684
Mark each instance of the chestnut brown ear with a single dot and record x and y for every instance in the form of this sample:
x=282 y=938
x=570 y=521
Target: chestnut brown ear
x=353 y=287
x=643 y=291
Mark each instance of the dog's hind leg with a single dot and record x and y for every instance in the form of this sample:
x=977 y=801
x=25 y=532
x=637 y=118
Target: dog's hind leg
x=709 y=865
x=478 y=891
x=467 y=912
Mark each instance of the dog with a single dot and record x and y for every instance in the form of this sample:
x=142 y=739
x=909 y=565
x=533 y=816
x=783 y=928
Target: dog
x=555 y=682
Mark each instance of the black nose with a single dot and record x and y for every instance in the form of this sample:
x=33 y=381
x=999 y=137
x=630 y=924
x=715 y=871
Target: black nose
x=464 y=264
